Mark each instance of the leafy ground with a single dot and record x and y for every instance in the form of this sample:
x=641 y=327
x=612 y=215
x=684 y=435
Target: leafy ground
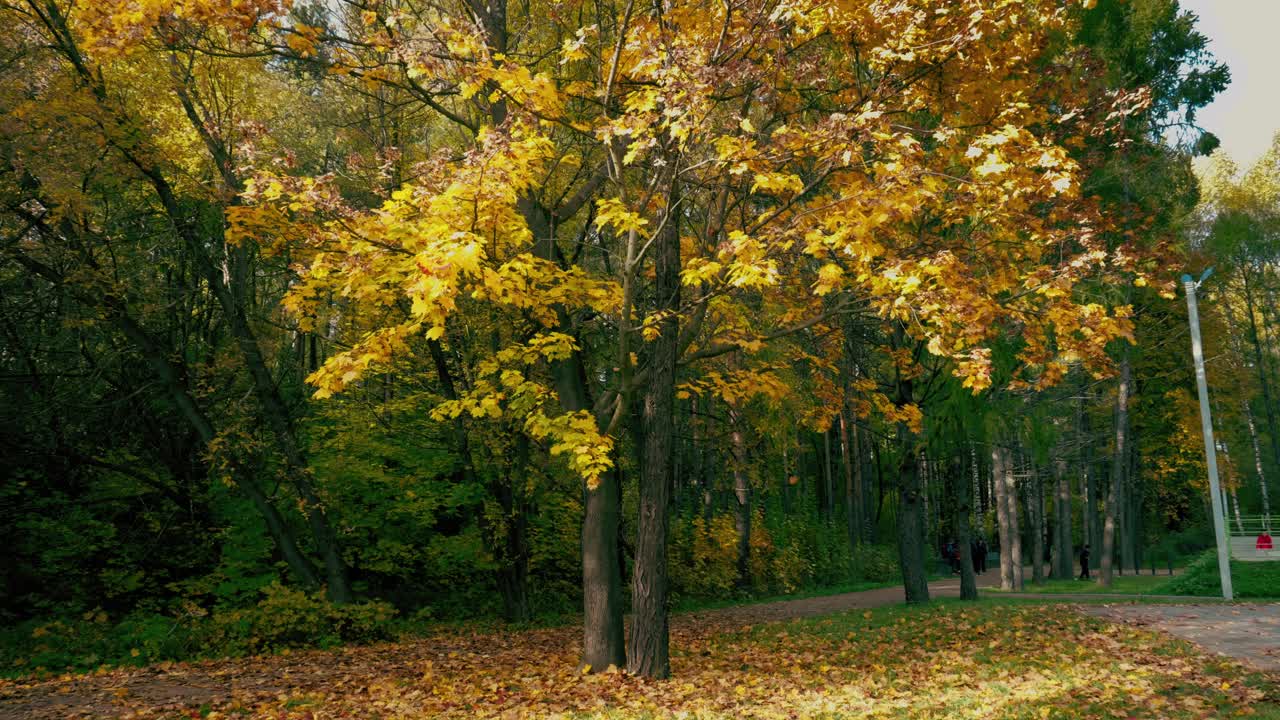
x=994 y=659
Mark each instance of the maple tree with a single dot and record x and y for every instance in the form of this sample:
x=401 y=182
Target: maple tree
x=862 y=205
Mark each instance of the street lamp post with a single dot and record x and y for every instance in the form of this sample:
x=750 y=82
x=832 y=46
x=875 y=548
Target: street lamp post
x=1206 y=423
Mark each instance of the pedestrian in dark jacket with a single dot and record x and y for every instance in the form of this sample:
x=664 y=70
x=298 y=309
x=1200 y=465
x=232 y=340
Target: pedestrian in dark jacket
x=1084 y=562
x=982 y=554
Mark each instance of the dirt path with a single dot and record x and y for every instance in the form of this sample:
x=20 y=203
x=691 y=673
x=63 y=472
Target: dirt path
x=827 y=604
x=173 y=687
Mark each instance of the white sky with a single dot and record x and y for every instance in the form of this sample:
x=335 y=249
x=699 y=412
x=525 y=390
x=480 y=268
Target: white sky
x=1246 y=35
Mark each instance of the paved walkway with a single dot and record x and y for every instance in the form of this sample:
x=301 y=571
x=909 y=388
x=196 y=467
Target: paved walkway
x=1249 y=633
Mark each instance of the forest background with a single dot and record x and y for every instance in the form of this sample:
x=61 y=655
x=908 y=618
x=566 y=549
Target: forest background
x=319 y=321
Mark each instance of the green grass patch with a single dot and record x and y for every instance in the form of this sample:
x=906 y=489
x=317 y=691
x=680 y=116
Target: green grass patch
x=1121 y=584
x=697 y=604
x=1253 y=580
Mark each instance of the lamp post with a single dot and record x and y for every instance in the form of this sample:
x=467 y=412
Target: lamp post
x=1206 y=424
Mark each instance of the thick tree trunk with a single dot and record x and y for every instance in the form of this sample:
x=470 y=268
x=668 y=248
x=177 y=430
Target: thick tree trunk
x=602 y=640
x=1015 y=526
x=999 y=457
x=911 y=531
x=647 y=651
x=911 y=541
x=1116 y=481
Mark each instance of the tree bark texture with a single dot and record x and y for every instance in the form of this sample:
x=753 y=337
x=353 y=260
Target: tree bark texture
x=999 y=457
x=1116 y=481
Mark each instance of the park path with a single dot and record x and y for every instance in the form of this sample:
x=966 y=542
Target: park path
x=172 y=687
x=1249 y=633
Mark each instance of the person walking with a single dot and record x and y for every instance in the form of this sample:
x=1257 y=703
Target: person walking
x=979 y=553
x=1084 y=562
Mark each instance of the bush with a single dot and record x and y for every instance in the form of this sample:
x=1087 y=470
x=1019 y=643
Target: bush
x=704 y=558
x=283 y=618
x=876 y=563
x=1248 y=579
x=289 y=618
x=89 y=641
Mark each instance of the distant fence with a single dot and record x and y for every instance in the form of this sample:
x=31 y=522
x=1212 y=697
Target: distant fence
x=1244 y=532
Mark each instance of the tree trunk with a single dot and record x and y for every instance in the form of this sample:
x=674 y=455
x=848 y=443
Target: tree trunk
x=963 y=507
x=1035 y=520
x=602 y=643
x=911 y=543
x=1263 y=379
x=1131 y=551
x=1116 y=481
x=172 y=380
x=647 y=651
x=1090 y=530
x=999 y=457
x=1015 y=526
x=513 y=558
x=1257 y=458
x=852 y=465
x=1062 y=556
x=828 y=481
x=742 y=499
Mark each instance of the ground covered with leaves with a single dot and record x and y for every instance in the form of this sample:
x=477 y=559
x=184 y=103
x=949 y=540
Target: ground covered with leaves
x=991 y=660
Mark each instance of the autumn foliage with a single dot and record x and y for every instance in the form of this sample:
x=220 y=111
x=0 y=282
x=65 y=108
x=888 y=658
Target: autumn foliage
x=492 y=305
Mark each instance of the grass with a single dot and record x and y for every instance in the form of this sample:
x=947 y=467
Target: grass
x=1254 y=580
x=696 y=604
x=1121 y=585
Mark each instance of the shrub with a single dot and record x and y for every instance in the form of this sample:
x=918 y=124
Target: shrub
x=290 y=618
x=876 y=563
x=89 y=641
x=704 y=559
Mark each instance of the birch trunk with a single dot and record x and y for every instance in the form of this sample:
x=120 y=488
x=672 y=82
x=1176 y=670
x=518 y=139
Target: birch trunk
x=998 y=459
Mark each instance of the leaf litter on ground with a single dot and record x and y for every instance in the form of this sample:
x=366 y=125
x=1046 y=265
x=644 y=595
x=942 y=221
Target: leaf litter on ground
x=947 y=660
